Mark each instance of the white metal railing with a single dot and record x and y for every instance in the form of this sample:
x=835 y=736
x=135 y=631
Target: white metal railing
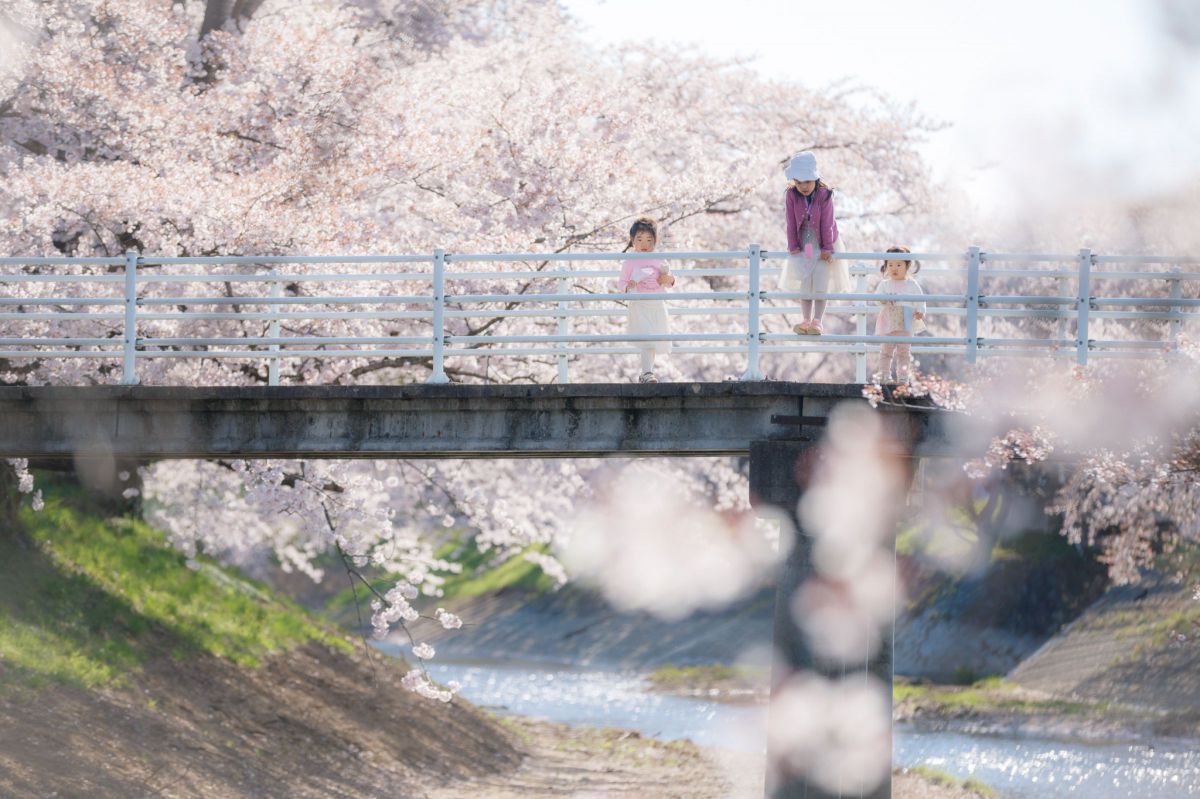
x=360 y=300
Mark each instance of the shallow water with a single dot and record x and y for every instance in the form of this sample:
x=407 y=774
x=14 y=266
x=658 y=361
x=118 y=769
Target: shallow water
x=1042 y=768
x=1019 y=768
x=605 y=698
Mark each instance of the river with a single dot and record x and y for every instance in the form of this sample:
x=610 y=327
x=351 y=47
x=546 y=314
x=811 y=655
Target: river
x=1017 y=768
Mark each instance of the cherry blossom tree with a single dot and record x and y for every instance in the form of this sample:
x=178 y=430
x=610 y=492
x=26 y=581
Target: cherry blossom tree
x=244 y=127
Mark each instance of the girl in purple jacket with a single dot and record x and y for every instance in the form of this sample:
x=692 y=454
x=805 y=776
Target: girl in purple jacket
x=812 y=235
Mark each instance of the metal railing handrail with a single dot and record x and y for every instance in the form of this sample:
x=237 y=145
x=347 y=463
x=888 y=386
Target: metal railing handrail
x=546 y=294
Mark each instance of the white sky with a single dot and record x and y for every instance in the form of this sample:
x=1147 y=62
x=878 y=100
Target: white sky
x=1079 y=95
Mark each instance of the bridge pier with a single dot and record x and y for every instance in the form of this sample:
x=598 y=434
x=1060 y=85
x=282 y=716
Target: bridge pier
x=780 y=471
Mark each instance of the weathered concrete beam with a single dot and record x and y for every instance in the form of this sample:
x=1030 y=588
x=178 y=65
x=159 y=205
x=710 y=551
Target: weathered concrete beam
x=416 y=421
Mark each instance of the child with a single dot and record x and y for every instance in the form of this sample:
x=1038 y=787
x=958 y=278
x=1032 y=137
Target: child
x=898 y=318
x=812 y=235
x=646 y=276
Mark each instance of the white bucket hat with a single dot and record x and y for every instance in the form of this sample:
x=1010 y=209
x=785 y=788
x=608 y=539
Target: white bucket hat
x=803 y=166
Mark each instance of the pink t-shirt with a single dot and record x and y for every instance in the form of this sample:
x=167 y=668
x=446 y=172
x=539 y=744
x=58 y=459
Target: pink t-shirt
x=643 y=270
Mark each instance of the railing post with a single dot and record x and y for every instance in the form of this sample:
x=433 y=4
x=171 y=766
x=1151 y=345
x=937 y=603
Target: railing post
x=273 y=332
x=129 y=365
x=1176 y=324
x=754 y=295
x=860 y=328
x=563 y=328
x=1060 y=327
x=1083 y=304
x=974 y=258
x=439 y=328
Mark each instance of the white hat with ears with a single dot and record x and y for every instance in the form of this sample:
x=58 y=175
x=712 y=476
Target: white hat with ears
x=802 y=167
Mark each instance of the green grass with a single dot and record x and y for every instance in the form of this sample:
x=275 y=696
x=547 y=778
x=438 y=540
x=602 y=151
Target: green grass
x=988 y=695
x=672 y=677
x=911 y=540
x=948 y=780
x=85 y=599
x=1033 y=545
x=1030 y=544
x=1154 y=631
x=480 y=575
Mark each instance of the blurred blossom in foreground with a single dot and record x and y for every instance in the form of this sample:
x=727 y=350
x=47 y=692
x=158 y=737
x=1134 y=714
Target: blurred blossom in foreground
x=850 y=511
x=649 y=544
x=837 y=733
x=844 y=620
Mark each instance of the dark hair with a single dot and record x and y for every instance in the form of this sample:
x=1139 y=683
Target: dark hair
x=644 y=223
x=820 y=185
x=913 y=263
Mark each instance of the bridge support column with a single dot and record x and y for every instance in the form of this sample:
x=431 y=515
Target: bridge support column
x=779 y=475
x=10 y=498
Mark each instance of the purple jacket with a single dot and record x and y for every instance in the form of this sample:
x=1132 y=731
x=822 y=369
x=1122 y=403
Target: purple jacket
x=820 y=211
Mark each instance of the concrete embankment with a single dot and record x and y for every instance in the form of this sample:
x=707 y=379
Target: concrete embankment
x=1138 y=645
x=576 y=626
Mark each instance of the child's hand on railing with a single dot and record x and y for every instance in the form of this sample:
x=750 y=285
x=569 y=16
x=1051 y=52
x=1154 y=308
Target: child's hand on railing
x=630 y=286
x=667 y=280
x=826 y=257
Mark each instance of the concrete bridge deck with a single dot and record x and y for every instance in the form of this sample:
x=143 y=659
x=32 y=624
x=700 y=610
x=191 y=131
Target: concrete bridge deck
x=423 y=421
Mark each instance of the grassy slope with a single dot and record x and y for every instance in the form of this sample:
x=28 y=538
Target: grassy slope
x=126 y=670
x=1139 y=645
x=84 y=599
x=481 y=574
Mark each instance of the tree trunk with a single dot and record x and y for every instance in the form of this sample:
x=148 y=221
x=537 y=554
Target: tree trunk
x=217 y=13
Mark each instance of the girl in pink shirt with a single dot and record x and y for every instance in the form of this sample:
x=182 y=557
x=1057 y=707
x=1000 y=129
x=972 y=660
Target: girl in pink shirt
x=646 y=276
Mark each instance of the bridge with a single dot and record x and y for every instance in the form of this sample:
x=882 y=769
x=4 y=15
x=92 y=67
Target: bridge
x=150 y=423
x=270 y=323
x=277 y=320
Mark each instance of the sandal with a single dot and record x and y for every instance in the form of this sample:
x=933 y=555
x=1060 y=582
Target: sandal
x=814 y=327
x=647 y=377
x=801 y=329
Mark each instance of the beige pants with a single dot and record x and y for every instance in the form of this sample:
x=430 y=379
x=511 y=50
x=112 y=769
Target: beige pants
x=899 y=355
x=649 y=317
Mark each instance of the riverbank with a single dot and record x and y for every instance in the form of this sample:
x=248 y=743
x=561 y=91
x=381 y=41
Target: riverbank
x=714 y=682
x=998 y=707
x=566 y=761
x=927 y=783
x=314 y=722
x=129 y=669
